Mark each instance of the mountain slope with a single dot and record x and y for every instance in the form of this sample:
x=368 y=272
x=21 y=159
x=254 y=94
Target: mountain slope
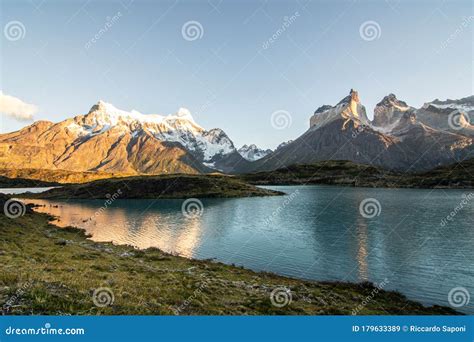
x=456 y=116
x=346 y=173
x=108 y=140
x=111 y=140
x=252 y=152
x=399 y=141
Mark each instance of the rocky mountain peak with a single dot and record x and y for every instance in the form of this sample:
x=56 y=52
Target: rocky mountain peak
x=389 y=113
x=352 y=97
x=219 y=137
x=252 y=152
x=348 y=109
x=102 y=106
x=283 y=144
x=111 y=139
x=322 y=109
x=106 y=115
x=465 y=105
x=391 y=101
x=184 y=113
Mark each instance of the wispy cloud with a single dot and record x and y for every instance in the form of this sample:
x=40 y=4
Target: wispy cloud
x=16 y=108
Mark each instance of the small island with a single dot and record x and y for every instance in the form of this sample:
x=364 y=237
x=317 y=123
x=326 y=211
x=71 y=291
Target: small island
x=158 y=187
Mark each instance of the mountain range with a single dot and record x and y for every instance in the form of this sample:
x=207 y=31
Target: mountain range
x=399 y=138
x=111 y=140
x=253 y=153
x=108 y=139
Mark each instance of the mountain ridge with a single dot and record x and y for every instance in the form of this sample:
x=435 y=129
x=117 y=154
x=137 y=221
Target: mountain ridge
x=400 y=137
x=107 y=139
x=110 y=140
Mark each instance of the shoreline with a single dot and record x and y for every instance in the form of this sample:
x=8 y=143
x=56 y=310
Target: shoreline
x=329 y=172
x=69 y=267
x=362 y=185
x=157 y=187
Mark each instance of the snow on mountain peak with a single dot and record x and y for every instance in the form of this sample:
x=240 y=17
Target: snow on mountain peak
x=391 y=101
x=465 y=104
x=252 y=152
x=104 y=113
x=349 y=108
x=184 y=113
x=180 y=127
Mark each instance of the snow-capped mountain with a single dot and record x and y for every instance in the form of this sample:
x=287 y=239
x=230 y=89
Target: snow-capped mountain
x=113 y=140
x=389 y=112
x=349 y=108
x=109 y=139
x=400 y=137
x=179 y=127
x=455 y=116
x=252 y=152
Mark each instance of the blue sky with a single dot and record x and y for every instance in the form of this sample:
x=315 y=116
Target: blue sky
x=422 y=51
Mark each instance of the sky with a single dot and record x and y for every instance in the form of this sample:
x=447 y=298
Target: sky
x=256 y=69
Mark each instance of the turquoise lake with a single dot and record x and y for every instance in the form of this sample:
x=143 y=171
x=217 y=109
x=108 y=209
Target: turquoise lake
x=314 y=232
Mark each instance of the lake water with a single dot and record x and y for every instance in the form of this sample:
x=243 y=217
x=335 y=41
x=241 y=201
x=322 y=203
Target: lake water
x=315 y=232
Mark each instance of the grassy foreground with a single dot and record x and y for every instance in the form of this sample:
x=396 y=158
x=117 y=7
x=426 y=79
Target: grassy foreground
x=48 y=270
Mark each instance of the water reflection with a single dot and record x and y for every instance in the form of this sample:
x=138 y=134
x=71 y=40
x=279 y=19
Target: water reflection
x=319 y=235
x=362 y=249
x=15 y=191
x=147 y=228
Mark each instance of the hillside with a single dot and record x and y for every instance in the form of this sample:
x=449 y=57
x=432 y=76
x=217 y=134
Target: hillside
x=108 y=139
x=113 y=141
x=166 y=186
x=346 y=173
x=401 y=138
x=458 y=175
x=6 y=182
x=57 y=176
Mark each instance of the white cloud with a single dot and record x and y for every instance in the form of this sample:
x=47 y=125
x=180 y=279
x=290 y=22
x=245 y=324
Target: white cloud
x=16 y=108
